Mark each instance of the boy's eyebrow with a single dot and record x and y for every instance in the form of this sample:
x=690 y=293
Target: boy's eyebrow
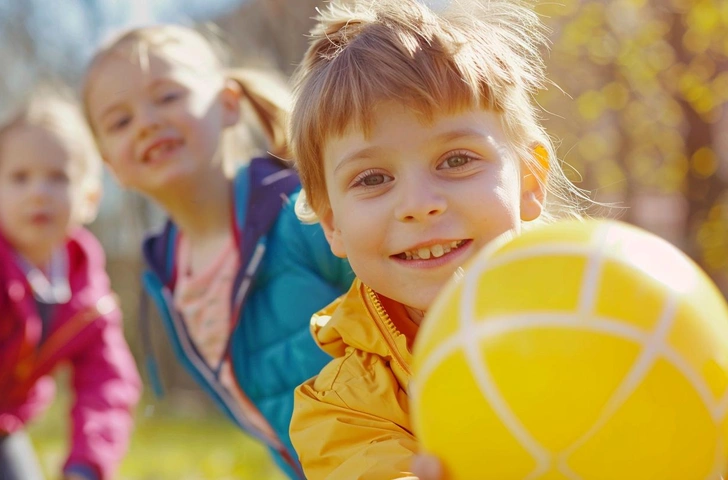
x=445 y=137
x=367 y=152
x=459 y=134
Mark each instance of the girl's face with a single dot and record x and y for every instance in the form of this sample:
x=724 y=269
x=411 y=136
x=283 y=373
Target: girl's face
x=158 y=119
x=38 y=191
x=411 y=202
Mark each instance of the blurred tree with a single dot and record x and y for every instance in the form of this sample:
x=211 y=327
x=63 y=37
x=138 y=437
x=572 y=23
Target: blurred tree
x=271 y=33
x=650 y=84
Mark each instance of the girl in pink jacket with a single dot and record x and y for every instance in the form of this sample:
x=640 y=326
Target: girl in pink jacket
x=55 y=302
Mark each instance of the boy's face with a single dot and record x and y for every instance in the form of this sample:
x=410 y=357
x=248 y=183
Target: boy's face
x=412 y=202
x=37 y=193
x=158 y=121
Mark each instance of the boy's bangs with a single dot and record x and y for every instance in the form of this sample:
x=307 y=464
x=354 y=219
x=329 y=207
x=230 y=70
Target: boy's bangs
x=424 y=79
x=424 y=72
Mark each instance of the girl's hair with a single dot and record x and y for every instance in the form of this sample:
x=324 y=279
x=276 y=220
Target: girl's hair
x=264 y=95
x=475 y=54
x=53 y=108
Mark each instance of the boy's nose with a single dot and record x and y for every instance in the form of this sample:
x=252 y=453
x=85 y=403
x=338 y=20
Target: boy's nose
x=419 y=200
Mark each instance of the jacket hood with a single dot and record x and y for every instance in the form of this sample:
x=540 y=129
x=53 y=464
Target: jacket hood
x=158 y=250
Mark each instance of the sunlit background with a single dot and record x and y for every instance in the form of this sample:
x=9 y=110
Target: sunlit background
x=639 y=113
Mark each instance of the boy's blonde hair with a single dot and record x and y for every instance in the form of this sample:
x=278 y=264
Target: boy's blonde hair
x=53 y=108
x=473 y=55
x=264 y=95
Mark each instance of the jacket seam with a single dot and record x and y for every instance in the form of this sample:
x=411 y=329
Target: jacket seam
x=334 y=381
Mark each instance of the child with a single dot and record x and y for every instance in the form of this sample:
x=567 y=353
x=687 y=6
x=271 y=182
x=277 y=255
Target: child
x=417 y=143
x=234 y=274
x=55 y=301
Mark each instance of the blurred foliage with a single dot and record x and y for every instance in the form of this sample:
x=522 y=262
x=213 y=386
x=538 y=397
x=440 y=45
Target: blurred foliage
x=649 y=82
x=170 y=442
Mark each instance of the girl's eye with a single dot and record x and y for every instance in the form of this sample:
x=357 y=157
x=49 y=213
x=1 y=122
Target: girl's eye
x=119 y=123
x=169 y=97
x=456 y=160
x=19 y=177
x=59 y=177
x=371 y=179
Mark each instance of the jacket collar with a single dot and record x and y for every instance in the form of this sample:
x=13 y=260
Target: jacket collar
x=361 y=319
x=86 y=265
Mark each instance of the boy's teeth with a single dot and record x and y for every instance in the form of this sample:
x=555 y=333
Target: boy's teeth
x=436 y=251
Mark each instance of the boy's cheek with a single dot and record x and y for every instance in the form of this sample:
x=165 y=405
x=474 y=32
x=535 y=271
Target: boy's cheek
x=337 y=245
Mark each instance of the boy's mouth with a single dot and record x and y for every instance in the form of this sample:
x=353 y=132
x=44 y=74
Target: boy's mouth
x=436 y=250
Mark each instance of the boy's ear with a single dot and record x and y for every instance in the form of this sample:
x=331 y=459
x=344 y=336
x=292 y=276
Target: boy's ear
x=333 y=234
x=230 y=99
x=533 y=183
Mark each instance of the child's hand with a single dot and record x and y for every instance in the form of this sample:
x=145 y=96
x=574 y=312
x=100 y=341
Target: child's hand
x=427 y=467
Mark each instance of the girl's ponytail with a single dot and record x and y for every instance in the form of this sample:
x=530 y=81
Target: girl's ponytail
x=267 y=98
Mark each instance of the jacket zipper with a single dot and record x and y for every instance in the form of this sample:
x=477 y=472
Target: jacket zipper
x=210 y=378
x=386 y=327
x=232 y=404
x=242 y=290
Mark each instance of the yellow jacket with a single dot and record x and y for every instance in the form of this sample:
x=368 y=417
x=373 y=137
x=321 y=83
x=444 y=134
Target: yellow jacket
x=351 y=422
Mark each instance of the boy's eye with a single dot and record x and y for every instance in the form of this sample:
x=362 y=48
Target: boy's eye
x=371 y=179
x=377 y=179
x=455 y=161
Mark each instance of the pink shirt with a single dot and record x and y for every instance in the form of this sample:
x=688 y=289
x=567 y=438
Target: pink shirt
x=203 y=300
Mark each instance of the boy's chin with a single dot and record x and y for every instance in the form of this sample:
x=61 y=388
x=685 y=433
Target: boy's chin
x=415 y=314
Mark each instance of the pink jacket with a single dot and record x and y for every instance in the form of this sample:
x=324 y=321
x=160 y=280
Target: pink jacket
x=87 y=333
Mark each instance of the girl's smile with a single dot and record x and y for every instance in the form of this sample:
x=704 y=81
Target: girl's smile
x=161 y=150
x=145 y=115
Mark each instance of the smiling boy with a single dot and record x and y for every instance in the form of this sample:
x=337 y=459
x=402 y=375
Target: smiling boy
x=417 y=143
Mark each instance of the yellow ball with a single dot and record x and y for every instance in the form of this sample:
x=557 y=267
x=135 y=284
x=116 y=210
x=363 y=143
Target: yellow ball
x=577 y=351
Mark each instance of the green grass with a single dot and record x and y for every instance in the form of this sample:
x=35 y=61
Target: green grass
x=169 y=443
